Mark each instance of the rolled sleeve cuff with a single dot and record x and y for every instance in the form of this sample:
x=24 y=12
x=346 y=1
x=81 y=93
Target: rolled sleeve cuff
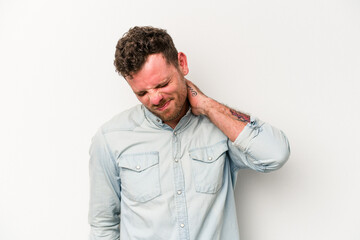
x=250 y=131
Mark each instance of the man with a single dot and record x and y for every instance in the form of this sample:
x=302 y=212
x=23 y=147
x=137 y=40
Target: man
x=166 y=169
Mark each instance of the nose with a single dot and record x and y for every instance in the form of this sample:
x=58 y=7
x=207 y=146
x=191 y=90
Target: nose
x=155 y=97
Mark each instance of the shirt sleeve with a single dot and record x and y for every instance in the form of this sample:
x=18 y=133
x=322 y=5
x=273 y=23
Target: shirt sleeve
x=104 y=207
x=260 y=147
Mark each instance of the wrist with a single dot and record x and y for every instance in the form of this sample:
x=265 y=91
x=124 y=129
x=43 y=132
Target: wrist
x=207 y=106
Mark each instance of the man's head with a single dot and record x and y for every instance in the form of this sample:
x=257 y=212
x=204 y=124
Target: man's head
x=147 y=58
x=137 y=44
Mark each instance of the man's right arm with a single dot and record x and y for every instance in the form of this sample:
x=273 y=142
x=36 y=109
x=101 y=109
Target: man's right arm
x=104 y=207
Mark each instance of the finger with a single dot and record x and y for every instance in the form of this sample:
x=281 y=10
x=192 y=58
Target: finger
x=188 y=82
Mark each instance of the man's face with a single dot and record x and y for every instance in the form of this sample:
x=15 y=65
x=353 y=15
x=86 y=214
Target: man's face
x=161 y=87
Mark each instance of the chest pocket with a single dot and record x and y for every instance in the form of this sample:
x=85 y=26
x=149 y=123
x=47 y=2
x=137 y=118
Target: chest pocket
x=139 y=173
x=208 y=167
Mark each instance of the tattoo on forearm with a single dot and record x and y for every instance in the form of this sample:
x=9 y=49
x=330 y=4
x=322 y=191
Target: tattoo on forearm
x=193 y=92
x=240 y=116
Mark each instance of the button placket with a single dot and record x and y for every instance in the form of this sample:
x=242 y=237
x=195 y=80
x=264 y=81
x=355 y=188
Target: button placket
x=179 y=194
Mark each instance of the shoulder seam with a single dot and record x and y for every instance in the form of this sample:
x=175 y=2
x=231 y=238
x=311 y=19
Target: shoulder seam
x=108 y=148
x=105 y=131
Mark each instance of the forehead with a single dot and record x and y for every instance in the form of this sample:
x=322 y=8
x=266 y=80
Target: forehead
x=154 y=71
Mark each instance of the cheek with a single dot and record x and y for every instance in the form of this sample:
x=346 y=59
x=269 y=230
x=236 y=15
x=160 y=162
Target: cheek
x=143 y=100
x=181 y=88
x=169 y=91
x=184 y=91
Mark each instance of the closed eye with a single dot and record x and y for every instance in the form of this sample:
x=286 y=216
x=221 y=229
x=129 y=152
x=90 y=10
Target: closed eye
x=164 y=85
x=140 y=94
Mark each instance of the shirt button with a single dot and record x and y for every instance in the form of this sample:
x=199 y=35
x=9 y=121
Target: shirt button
x=210 y=158
x=175 y=133
x=158 y=120
x=137 y=167
x=182 y=225
x=179 y=192
x=176 y=160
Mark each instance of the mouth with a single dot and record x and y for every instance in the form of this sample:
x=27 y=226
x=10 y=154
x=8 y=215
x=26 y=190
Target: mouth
x=163 y=107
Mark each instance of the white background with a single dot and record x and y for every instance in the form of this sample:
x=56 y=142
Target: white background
x=295 y=64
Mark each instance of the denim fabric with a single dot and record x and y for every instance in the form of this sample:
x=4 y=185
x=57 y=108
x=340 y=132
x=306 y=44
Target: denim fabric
x=149 y=181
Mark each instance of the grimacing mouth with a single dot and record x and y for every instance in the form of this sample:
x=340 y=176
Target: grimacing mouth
x=162 y=105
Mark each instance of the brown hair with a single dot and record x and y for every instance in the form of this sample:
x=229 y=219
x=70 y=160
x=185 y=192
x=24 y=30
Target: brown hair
x=137 y=44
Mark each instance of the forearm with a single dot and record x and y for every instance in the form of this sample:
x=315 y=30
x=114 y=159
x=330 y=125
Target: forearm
x=229 y=121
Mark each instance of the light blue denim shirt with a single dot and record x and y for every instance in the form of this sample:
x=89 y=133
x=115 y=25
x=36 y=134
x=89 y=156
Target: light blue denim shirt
x=149 y=181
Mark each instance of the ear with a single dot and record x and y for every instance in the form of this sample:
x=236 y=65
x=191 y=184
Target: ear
x=183 y=63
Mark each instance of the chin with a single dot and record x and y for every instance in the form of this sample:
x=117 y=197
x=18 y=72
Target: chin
x=169 y=117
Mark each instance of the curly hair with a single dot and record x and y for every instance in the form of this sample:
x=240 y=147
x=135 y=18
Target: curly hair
x=137 y=44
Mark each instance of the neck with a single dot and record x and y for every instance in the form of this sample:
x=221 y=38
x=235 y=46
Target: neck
x=183 y=111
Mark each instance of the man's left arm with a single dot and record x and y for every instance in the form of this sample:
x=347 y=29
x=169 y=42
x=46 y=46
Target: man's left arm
x=262 y=147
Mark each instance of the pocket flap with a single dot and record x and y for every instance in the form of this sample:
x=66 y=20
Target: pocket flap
x=139 y=161
x=210 y=153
